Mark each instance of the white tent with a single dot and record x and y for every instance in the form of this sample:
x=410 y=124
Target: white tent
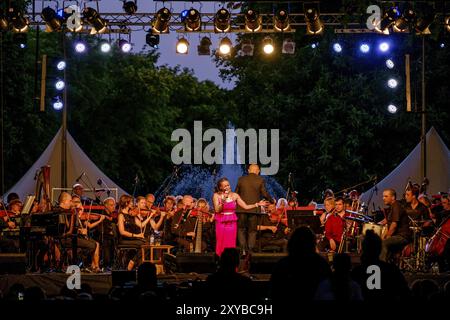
x=77 y=163
x=438 y=172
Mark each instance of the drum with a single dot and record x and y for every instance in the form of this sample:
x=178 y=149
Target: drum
x=437 y=242
x=378 y=229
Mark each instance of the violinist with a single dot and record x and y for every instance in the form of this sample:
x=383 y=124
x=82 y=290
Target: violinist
x=15 y=207
x=273 y=231
x=202 y=207
x=6 y=245
x=183 y=224
x=104 y=233
x=145 y=216
x=150 y=201
x=169 y=209
x=68 y=203
x=131 y=234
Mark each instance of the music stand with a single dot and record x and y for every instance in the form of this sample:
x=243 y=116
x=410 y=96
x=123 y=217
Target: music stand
x=298 y=218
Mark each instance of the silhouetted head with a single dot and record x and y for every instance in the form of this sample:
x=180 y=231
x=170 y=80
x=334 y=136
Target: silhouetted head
x=229 y=260
x=34 y=294
x=342 y=263
x=303 y=241
x=371 y=247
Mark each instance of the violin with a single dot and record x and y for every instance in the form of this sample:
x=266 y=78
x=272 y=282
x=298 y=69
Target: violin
x=145 y=212
x=7 y=213
x=206 y=215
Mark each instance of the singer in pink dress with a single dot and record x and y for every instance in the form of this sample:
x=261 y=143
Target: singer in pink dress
x=225 y=217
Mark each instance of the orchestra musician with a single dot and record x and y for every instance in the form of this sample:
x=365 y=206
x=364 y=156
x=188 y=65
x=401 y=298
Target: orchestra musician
x=150 y=200
x=202 y=207
x=169 y=209
x=273 y=228
x=104 y=232
x=398 y=234
x=78 y=190
x=334 y=227
x=80 y=227
x=141 y=219
x=6 y=245
x=414 y=208
x=329 y=205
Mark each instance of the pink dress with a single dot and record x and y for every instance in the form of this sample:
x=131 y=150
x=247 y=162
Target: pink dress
x=226 y=227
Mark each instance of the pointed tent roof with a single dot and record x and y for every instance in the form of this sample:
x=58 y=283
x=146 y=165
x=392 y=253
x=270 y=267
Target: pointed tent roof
x=77 y=163
x=438 y=171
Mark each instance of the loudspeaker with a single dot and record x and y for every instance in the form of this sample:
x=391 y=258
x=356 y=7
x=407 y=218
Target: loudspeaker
x=264 y=262
x=13 y=263
x=120 y=277
x=190 y=262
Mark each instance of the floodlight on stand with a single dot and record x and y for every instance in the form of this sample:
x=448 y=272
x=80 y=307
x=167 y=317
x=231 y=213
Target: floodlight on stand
x=225 y=46
x=80 y=47
x=388 y=20
x=281 y=20
x=57 y=103
x=405 y=21
x=313 y=23
x=61 y=65
x=392 y=108
x=337 y=47
x=152 y=39
x=161 y=22
x=288 y=46
x=91 y=16
x=182 y=46
x=18 y=22
x=203 y=49
x=253 y=21
x=52 y=21
x=222 y=20
x=390 y=63
x=423 y=24
x=193 y=20
x=124 y=45
x=130 y=7
x=268 y=46
x=60 y=85
x=447 y=23
x=247 y=48
x=105 y=47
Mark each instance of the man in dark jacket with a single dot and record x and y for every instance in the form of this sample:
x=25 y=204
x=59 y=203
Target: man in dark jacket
x=251 y=189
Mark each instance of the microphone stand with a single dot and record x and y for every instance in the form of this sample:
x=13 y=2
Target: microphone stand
x=91 y=186
x=375 y=189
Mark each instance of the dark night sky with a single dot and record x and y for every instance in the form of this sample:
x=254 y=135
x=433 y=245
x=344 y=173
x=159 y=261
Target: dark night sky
x=203 y=66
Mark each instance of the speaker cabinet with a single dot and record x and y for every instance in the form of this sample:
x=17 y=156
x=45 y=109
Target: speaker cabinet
x=13 y=263
x=190 y=262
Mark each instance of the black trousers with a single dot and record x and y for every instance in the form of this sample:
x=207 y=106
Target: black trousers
x=247 y=231
x=107 y=247
x=134 y=255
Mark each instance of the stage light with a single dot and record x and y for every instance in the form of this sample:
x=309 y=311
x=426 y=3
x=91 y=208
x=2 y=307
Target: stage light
x=288 y=46
x=392 y=83
x=182 y=46
x=91 y=16
x=364 y=48
x=61 y=65
x=442 y=45
x=384 y=46
x=268 y=46
x=18 y=22
x=225 y=46
x=423 y=24
x=222 y=21
x=313 y=23
x=105 y=47
x=4 y=23
x=404 y=22
x=447 y=23
x=337 y=47
x=57 y=103
x=161 y=21
x=152 y=40
x=130 y=7
x=60 y=85
x=281 y=20
x=80 y=47
x=20 y=39
x=193 y=21
x=52 y=21
x=388 y=20
x=203 y=49
x=247 y=48
x=392 y=109
x=124 y=45
x=314 y=45
x=390 y=64
x=253 y=21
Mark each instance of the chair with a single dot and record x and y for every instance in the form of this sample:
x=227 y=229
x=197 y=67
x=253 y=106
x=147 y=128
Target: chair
x=120 y=250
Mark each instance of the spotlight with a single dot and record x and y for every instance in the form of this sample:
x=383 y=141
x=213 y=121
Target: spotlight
x=403 y=23
x=130 y=7
x=152 y=40
x=225 y=46
x=18 y=22
x=253 y=21
x=105 y=47
x=161 y=21
x=203 y=48
x=313 y=23
x=80 y=47
x=442 y=45
x=91 y=16
x=447 y=23
x=423 y=24
x=392 y=109
x=247 y=48
x=281 y=20
x=60 y=85
x=384 y=46
x=4 y=23
x=222 y=21
x=392 y=83
x=182 y=46
x=52 y=20
x=61 y=65
x=124 y=45
x=20 y=39
x=193 y=21
x=268 y=47
x=314 y=45
x=364 y=48
x=57 y=103
x=337 y=47
x=388 y=20
x=288 y=46
x=390 y=63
